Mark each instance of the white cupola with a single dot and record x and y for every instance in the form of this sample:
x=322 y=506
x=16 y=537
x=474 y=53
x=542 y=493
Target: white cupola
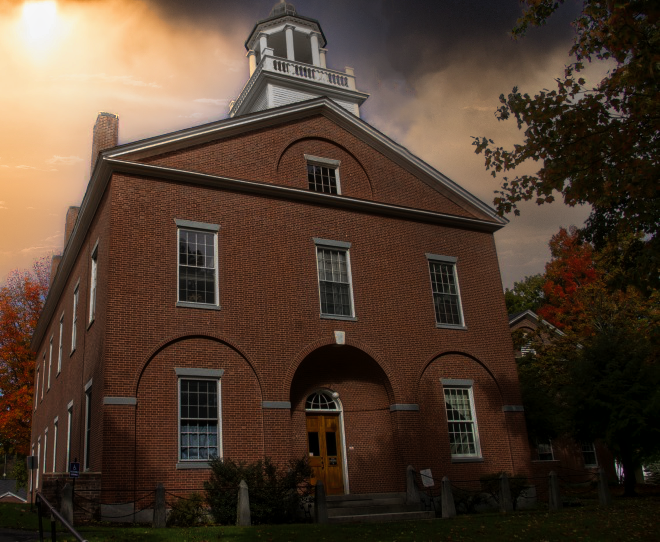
x=287 y=58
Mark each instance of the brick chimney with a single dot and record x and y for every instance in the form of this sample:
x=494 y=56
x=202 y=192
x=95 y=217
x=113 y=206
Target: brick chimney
x=69 y=224
x=106 y=134
x=54 y=264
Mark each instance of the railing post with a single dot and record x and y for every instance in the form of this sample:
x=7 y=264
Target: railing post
x=66 y=508
x=554 y=496
x=53 y=528
x=412 y=493
x=448 y=506
x=604 y=495
x=320 y=504
x=160 y=511
x=243 y=518
x=505 y=494
x=40 y=517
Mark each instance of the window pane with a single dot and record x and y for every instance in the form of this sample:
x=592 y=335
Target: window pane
x=322 y=179
x=197 y=278
x=461 y=422
x=314 y=445
x=445 y=293
x=334 y=283
x=331 y=442
x=199 y=419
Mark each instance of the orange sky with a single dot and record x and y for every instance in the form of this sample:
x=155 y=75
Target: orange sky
x=165 y=65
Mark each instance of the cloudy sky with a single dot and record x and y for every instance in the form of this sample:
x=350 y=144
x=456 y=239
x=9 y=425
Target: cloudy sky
x=434 y=70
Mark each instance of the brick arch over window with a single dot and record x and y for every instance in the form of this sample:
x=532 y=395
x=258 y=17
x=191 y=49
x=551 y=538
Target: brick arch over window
x=459 y=370
x=291 y=164
x=182 y=337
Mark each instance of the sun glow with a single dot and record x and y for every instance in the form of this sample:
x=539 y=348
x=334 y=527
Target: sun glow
x=39 y=19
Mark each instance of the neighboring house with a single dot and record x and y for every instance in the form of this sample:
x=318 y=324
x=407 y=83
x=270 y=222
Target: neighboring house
x=9 y=493
x=286 y=282
x=563 y=454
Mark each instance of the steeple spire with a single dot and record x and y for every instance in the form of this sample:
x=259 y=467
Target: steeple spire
x=287 y=59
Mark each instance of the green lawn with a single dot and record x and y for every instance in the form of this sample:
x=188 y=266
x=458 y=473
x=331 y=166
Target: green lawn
x=626 y=520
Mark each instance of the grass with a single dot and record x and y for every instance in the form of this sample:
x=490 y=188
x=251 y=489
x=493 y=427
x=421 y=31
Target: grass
x=626 y=519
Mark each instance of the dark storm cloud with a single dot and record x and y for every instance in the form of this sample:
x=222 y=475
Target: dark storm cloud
x=428 y=35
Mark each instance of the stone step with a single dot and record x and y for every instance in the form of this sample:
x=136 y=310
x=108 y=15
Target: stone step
x=366 y=509
x=382 y=501
x=365 y=497
x=382 y=518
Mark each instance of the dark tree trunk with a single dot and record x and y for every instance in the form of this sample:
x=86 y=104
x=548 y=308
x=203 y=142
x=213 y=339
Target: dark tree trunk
x=629 y=480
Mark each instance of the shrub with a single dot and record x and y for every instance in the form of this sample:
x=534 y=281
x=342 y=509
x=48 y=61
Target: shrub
x=275 y=494
x=188 y=512
x=518 y=483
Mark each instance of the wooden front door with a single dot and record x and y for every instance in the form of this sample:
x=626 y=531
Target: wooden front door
x=324 y=442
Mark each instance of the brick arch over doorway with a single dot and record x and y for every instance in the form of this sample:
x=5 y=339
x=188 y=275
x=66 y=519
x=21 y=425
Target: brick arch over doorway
x=373 y=461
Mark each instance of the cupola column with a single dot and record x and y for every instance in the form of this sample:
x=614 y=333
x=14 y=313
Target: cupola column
x=290 y=54
x=314 y=44
x=263 y=43
x=252 y=61
x=323 y=53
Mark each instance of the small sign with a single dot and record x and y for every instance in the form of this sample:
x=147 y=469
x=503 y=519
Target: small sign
x=427 y=477
x=74 y=470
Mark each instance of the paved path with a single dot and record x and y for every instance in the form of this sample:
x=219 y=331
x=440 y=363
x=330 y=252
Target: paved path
x=14 y=535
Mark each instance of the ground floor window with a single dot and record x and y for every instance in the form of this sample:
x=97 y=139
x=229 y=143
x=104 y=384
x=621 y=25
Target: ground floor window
x=544 y=450
x=461 y=419
x=589 y=454
x=199 y=419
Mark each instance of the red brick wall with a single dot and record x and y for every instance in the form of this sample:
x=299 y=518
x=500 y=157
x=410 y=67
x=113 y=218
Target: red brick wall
x=268 y=336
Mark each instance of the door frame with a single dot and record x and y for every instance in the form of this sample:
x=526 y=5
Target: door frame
x=342 y=440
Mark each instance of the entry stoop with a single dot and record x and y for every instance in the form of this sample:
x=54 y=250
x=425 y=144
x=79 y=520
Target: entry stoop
x=373 y=508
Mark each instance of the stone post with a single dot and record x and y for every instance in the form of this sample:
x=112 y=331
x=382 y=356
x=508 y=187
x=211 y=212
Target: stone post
x=66 y=506
x=320 y=504
x=448 y=507
x=412 y=492
x=554 y=496
x=506 y=505
x=243 y=518
x=604 y=495
x=160 y=510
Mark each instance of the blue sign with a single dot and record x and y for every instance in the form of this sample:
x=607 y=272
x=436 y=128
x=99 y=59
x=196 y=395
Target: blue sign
x=74 y=470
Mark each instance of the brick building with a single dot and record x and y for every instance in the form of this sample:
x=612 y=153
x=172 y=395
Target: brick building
x=287 y=281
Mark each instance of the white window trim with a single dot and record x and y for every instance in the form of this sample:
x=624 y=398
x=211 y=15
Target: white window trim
x=31 y=470
x=36 y=391
x=60 y=345
x=451 y=383
x=93 y=282
x=207 y=228
x=38 y=461
x=538 y=452
x=50 y=360
x=45 y=449
x=69 y=422
x=329 y=163
x=88 y=429
x=184 y=373
x=339 y=246
x=55 y=435
x=43 y=377
x=74 y=318
x=592 y=450
x=450 y=260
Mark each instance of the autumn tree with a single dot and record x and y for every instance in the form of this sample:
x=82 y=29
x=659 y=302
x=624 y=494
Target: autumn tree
x=596 y=144
x=21 y=299
x=526 y=294
x=600 y=378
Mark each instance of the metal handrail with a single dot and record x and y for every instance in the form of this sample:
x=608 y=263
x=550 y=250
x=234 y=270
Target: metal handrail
x=54 y=514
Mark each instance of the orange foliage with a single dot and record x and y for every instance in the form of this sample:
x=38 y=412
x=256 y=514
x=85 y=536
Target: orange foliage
x=570 y=271
x=22 y=297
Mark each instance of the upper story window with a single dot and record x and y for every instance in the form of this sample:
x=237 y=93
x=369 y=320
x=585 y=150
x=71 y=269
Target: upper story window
x=197 y=264
x=50 y=360
x=36 y=390
x=74 y=322
x=446 y=295
x=323 y=174
x=59 y=345
x=334 y=273
x=92 y=282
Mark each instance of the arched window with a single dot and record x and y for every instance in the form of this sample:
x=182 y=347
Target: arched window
x=321 y=401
